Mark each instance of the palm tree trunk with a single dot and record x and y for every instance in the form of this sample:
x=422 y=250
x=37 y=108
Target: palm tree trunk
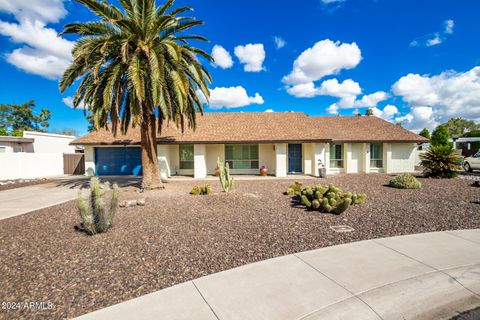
x=151 y=172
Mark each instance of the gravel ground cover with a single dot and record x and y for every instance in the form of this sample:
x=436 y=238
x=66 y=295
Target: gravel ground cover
x=13 y=184
x=177 y=237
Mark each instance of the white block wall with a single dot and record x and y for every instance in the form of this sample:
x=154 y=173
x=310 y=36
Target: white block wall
x=200 y=162
x=24 y=165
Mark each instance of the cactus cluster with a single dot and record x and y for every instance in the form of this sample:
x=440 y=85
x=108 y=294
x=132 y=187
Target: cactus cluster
x=201 y=190
x=405 y=181
x=96 y=217
x=224 y=173
x=327 y=199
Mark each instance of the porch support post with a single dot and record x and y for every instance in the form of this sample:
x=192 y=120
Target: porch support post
x=326 y=161
x=163 y=163
x=366 y=157
x=347 y=149
x=280 y=159
x=387 y=157
x=318 y=155
x=199 y=161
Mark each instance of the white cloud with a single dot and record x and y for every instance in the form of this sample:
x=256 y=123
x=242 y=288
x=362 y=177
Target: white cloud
x=269 y=110
x=231 y=97
x=436 y=38
x=252 y=56
x=39 y=10
x=418 y=118
x=332 y=1
x=331 y=87
x=222 y=57
x=388 y=112
x=69 y=102
x=41 y=51
x=448 y=25
x=279 y=42
x=371 y=100
x=324 y=58
x=435 y=99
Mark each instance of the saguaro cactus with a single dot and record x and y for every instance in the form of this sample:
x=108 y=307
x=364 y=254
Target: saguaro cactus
x=224 y=173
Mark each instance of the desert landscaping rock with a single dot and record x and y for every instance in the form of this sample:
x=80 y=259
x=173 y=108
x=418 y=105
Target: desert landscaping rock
x=178 y=237
x=141 y=202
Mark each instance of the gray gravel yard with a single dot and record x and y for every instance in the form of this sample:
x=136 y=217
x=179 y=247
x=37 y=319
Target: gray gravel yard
x=177 y=237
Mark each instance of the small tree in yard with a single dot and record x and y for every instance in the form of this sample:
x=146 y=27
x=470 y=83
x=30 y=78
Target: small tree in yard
x=425 y=133
x=440 y=136
x=137 y=68
x=440 y=162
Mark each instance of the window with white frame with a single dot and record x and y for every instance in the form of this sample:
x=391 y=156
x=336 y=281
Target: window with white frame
x=3 y=149
x=241 y=156
x=186 y=156
x=18 y=148
x=336 y=155
x=376 y=155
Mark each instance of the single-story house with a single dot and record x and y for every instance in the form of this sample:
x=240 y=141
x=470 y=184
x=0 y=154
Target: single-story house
x=287 y=143
x=34 y=155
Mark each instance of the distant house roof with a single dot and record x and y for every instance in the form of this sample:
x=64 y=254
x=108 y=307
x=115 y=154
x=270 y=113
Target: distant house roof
x=16 y=139
x=258 y=127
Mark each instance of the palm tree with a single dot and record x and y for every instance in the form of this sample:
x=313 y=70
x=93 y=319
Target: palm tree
x=137 y=68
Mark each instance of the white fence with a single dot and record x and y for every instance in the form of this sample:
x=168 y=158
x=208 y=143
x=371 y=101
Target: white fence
x=30 y=165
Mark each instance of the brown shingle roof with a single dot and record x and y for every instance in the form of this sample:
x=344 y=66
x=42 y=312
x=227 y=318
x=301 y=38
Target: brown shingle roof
x=231 y=127
x=364 y=129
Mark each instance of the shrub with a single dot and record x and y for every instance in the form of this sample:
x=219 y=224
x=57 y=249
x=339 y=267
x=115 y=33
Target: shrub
x=96 y=217
x=201 y=190
x=405 y=181
x=327 y=199
x=440 y=162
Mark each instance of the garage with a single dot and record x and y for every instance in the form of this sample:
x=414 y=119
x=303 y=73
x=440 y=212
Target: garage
x=118 y=161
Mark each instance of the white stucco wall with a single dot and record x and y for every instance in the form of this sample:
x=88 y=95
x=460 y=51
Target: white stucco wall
x=307 y=158
x=281 y=159
x=402 y=157
x=354 y=157
x=89 y=161
x=50 y=143
x=214 y=152
x=200 y=162
x=318 y=150
x=266 y=157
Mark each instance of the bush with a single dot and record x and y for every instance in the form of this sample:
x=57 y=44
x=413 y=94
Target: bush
x=441 y=162
x=96 y=218
x=405 y=181
x=327 y=199
x=201 y=190
x=440 y=136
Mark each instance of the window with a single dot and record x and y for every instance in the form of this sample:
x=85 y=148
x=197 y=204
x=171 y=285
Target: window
x=241 y=156
x=3 y=149
x=186 y=156
x=18 y=148
x=376 y=155
x=336 y=156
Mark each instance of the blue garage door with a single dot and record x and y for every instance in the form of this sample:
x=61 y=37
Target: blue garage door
x=120 y=161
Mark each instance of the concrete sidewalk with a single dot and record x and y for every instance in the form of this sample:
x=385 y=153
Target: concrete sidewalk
x=14 y=202
x=423 y=276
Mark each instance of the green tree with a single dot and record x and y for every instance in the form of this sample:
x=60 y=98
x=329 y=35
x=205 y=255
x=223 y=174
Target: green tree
x=138 y=68
x=440 y=136
x=459 y=126
x=399 y=124
x=369 y=112
x=425 y=133
x=15 y=118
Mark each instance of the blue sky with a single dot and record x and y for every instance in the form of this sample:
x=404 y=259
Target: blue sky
x=412 y=61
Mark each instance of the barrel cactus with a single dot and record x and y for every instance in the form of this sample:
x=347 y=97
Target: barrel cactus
x=326 y=199
x=405 y=181
x=201 y=190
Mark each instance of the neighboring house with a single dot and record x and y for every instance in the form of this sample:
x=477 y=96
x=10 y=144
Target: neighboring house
x=287 y=143
x=36 y=154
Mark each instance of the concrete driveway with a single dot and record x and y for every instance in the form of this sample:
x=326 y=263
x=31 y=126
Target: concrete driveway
x=18 y=201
